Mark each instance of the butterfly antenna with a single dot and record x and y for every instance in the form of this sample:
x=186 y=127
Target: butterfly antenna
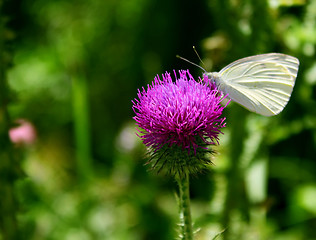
x=198 y=56
x=190 y=62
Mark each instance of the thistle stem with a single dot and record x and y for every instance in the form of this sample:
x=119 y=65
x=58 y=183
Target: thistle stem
x=184 y=206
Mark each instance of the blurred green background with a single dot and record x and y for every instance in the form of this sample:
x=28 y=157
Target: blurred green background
x=69 y=70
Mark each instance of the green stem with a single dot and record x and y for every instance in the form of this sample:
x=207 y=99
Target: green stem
x=184 y=205
x=234 y=195
x=82 y=127
x=8 y=166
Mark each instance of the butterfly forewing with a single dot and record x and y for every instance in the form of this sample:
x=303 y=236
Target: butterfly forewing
x=261 y=83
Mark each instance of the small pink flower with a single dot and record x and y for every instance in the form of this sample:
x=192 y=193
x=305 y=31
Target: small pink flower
x=23 y=134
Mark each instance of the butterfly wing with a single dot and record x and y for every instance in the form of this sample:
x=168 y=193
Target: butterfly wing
x=261 y=83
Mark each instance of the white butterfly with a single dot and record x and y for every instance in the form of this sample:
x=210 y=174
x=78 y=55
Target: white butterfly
x=261 y=83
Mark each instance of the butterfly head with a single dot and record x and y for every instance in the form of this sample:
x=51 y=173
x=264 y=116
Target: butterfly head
x=214 y=77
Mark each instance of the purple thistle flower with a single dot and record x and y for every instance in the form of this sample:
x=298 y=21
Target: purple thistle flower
x=182 y=116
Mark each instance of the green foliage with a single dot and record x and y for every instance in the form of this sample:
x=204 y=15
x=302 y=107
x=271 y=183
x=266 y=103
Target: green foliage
x=85 y=174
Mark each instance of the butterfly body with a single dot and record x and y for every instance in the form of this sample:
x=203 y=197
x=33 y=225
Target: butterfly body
x=261 y=83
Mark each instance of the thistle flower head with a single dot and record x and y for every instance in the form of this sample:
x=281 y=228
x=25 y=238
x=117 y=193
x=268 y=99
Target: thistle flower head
x=177 y=120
